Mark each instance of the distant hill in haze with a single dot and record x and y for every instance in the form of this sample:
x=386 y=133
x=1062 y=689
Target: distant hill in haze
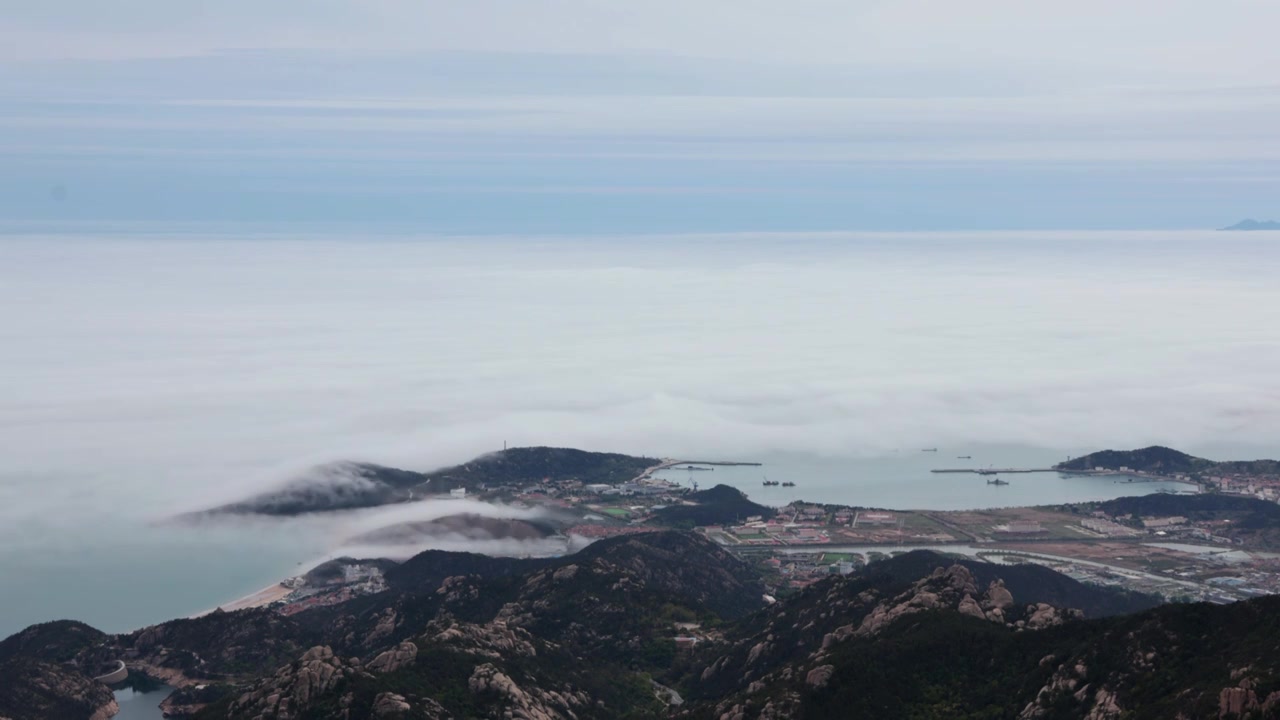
x=1252 y=224
x=1166 y=461
x=1155 y=459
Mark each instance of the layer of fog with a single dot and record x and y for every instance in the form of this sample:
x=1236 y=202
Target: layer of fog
x=347 y=532
x=348 y=529
x=148 y=377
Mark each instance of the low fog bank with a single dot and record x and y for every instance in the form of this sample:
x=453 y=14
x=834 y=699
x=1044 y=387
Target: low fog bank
x=547 y=547
x=401 y=530
x=153 y=377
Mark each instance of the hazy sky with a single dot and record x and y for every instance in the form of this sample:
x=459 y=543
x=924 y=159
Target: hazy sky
x=568 y=115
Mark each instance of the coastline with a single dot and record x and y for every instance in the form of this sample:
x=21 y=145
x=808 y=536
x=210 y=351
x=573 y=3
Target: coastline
x=261 y=598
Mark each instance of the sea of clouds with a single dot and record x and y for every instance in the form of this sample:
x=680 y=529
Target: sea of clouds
x=146 y=375
x=157 y=374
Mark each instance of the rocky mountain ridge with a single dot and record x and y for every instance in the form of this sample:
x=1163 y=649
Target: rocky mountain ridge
x=592 y=635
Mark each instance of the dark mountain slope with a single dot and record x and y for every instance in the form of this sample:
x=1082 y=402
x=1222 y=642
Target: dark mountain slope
x=457 y=635
x=1028 y=582
x=1249 y=512
x=216 y=646
x=1155 y=459
x=918 y=636
x=1166 y=461
x=679 y=565
x=543 y=638
x=524 y=466
x=54 y=642
x=793 y=636
x=348 y=486
x=716 y=506
x=46 y=670
x=425 y=571
x=938 y=649
x=34 y=690
x=1246 y=519
x=338 y=486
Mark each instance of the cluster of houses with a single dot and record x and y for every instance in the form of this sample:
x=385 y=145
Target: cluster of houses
x=356 y=580
x=801 y=570
x=1260 y=487
x=1173 y=526
x=575 y=492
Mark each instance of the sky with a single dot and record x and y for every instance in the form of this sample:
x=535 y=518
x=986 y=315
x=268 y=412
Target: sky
x=564 y=116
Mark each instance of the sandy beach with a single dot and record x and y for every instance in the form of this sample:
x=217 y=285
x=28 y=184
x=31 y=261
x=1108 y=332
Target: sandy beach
x=265 y=596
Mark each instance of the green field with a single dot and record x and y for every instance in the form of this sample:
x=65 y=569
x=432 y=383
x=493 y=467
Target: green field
x=837 y=557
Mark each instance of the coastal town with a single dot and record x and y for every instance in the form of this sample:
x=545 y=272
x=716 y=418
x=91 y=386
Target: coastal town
x=1166 y=554
x=1219 y=555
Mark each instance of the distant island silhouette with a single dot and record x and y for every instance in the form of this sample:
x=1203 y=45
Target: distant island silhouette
x=1252 y=224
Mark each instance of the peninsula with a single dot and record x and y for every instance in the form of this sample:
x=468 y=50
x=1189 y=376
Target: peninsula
x=1252 y=224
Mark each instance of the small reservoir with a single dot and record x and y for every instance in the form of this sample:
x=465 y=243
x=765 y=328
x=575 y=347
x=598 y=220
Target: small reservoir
x=141 y=701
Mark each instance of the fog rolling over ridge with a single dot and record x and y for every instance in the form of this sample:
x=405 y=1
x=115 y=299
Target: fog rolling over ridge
x=401 y=531
x=152 y=375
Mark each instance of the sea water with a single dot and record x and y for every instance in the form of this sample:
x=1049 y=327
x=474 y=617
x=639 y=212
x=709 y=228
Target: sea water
x=148 y=374
x=903 y=479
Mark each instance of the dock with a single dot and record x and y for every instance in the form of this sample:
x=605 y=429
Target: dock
x=725 y=463
x=995 y=471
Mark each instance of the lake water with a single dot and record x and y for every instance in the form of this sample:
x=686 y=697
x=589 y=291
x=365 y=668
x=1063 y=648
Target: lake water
x=139 y=705
x=145 y=374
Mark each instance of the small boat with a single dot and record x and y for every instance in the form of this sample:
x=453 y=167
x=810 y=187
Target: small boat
x=788 y=484
x=694 y=467
x=929 y=450
x=964 y=457
x=997 y=481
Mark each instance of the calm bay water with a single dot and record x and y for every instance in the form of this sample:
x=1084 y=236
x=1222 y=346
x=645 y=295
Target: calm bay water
x=146 y=375
x=902 y=480
x=145 y=705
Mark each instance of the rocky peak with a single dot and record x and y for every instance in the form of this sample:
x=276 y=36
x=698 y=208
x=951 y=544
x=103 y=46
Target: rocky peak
x=532 y=703
x=495 y=639
x=945 y=588
x=394 y=658
x=286 y=694
x=996 y=596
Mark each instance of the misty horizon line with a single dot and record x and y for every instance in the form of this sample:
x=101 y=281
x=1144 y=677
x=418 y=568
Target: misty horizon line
x=11 y=228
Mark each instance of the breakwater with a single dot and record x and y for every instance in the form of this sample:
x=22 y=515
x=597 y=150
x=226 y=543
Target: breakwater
x=996 y=471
